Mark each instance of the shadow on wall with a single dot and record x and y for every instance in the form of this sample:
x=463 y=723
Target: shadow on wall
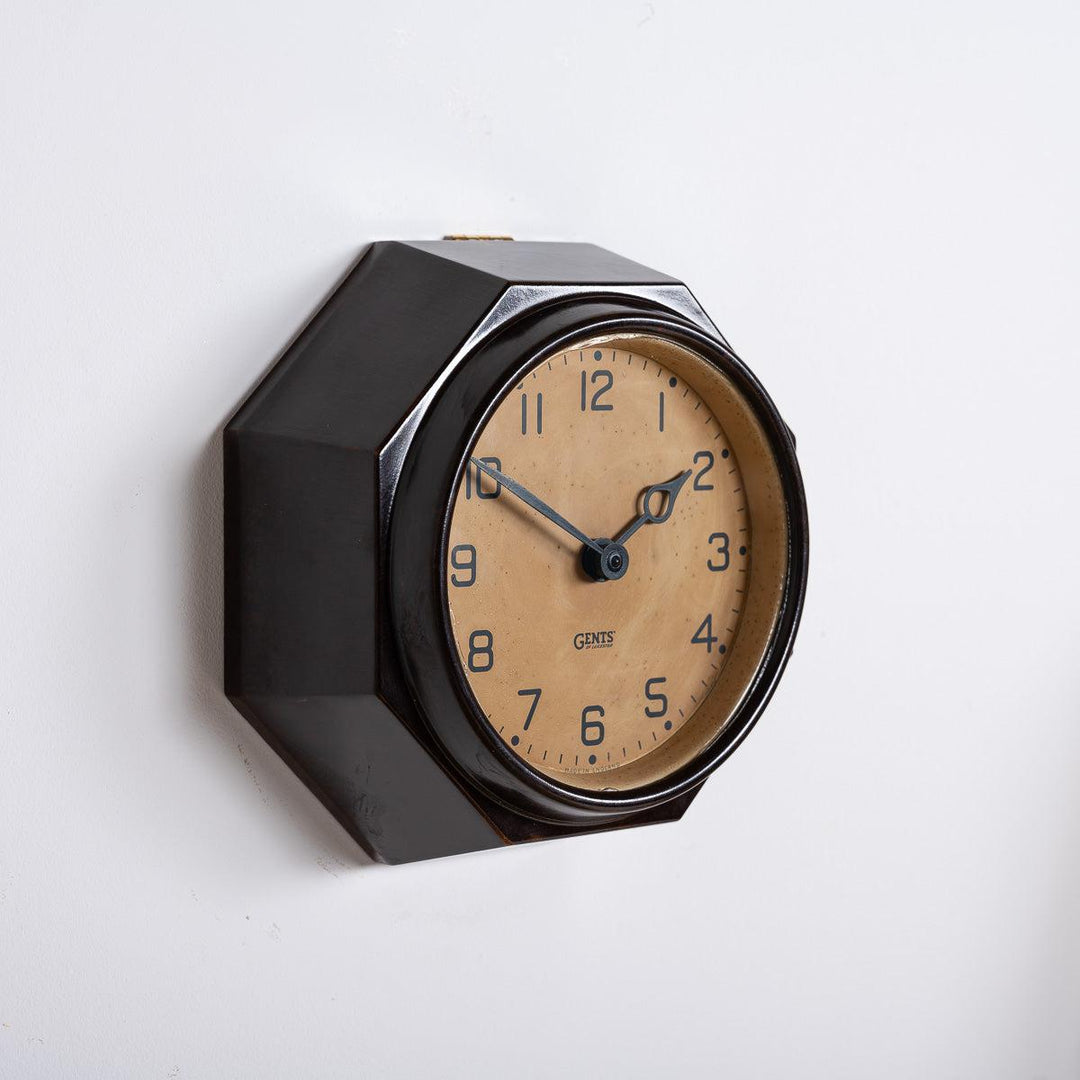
x=291 y=807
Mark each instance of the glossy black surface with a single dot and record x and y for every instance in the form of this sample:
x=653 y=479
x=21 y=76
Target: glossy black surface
x=338 y=470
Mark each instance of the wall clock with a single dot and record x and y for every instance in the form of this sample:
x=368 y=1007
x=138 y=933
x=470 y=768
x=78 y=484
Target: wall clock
x=516 y=547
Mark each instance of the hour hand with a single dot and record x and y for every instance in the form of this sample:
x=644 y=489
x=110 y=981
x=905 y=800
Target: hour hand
x=541 y=507
x=668 y=492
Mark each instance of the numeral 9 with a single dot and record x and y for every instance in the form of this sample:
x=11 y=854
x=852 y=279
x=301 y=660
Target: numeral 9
x=463 y=557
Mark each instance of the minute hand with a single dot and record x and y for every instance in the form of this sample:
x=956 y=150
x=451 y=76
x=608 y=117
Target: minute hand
x=541 y=507
x=670 y=492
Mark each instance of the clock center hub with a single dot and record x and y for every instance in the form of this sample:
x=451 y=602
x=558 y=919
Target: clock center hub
x=608 y=564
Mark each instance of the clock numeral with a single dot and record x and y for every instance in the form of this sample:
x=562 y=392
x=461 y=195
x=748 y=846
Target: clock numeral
x=482 y=478
x=463 y=557
x=535 y=695
x=709 y=639
x=598 y=376
x=481 y=651
x=525 y=415
x=661 y=410
x=592 y=731
x=660 y=699
x=710 y=461
x=721 y=541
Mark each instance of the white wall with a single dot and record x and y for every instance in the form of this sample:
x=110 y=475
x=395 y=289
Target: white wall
x=878 y=205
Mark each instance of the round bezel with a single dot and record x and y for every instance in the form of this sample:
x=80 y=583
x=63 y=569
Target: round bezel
x=420 y=521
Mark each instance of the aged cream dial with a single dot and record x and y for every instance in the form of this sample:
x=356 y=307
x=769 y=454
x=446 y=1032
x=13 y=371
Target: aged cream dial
x=599 y=559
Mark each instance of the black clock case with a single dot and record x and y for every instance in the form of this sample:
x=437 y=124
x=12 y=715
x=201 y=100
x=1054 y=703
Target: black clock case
x=339 y=468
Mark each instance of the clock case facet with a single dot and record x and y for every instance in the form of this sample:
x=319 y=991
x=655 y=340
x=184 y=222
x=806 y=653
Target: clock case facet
x=339 y=471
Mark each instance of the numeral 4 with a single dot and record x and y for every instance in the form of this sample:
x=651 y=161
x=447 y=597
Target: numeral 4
x=703 y=635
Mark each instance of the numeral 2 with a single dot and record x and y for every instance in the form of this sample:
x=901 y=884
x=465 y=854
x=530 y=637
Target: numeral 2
x=710 y=461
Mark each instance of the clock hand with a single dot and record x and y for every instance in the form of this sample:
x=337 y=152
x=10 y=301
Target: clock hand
x=538 y=505
x=670 y=492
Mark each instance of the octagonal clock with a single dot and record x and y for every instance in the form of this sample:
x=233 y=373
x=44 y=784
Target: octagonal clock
x=516 y=547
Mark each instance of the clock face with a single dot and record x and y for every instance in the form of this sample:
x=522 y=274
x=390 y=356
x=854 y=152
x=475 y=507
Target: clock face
x=613 y=561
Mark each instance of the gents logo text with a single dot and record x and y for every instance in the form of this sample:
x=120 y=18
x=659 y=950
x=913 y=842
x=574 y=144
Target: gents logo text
x=595 y=639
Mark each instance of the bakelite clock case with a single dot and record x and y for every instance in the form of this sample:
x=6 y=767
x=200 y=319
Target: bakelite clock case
x=340 y=470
